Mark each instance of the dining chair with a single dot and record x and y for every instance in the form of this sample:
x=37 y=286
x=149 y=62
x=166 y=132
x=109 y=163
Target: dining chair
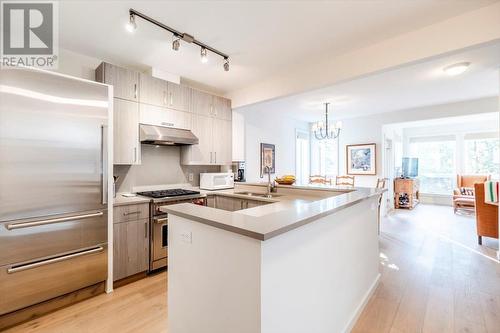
x=319 y=180
x=380 y=185
x=344 y=180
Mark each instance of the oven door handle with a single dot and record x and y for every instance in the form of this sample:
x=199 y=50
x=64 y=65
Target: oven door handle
x=161 y=220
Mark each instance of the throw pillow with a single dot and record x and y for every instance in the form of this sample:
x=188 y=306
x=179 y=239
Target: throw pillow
x=467 y=191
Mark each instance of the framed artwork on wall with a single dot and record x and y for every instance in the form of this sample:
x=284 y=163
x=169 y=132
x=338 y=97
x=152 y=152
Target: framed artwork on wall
x=267 y=158
x=361 y=159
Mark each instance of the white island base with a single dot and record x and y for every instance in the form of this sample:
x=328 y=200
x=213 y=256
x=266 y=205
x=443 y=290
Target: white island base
x=313 y=279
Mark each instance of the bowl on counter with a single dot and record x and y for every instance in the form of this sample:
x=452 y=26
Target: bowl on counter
x=286 y=180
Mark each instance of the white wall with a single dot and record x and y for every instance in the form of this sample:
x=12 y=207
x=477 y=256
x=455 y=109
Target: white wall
x=370 y=129
x=264 y=127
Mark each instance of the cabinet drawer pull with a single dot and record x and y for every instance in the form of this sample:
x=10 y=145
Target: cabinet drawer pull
x=23 y=267
x=167 y=124
x=135 y=90
x=132 y=213
x=13 y=226
x=160 y=221
x=171 y=99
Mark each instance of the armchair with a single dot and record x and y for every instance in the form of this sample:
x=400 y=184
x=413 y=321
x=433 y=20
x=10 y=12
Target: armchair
x=463 y=195
x=486 y=216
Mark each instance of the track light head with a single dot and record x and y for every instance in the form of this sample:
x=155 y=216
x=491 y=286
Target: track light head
x=203 y=54
x=226 y=64
x=131 y=25
x=176 y=44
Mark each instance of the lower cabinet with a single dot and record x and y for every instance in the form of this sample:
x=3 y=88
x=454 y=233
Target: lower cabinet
x=232 y=204
x=130 y=248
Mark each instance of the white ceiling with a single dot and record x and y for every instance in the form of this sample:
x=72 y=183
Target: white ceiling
x=261 y=37
x=411 y=86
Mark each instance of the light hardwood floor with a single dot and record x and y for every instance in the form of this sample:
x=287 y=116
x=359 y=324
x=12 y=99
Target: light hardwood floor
x=435 y=278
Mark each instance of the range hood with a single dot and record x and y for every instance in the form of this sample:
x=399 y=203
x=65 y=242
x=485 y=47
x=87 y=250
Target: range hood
x=166 y=136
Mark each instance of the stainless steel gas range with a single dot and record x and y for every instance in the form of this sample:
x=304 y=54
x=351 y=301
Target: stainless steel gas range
x=158 y=249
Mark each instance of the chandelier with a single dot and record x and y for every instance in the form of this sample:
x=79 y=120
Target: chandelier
x=322 y=130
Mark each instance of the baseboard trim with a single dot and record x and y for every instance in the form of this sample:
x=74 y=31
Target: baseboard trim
x=362 y=304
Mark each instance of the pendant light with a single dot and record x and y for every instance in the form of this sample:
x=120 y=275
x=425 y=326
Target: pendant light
x=322 y=130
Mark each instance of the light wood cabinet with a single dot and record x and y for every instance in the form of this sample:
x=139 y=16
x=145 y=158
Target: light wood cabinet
x=125 y=82
x=126 y=132
x=211 y=106
x=162 y=93
x=202 y=103
x=231 y=203
x=160 y=116
x=130 y=248
x=222 y=108
x=406 y=193
x=130 y=240
x=179 y=97
x=214 y=147
x=153 y=91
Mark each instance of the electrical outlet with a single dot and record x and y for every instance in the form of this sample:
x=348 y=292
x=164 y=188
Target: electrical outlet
x=187 y=237
x=190 y=177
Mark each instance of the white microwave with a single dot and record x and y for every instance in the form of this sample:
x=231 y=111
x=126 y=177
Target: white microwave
x=216 y=181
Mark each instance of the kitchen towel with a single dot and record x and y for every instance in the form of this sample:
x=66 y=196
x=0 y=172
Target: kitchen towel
x=491 y=191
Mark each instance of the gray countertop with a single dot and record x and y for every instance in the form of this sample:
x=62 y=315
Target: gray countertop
x=296 y=206
x=120 y=200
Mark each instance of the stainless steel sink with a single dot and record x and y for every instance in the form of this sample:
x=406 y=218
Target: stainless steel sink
x=254 y=194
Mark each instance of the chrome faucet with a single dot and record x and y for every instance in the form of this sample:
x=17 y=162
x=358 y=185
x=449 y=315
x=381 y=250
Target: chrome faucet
x=270 y=187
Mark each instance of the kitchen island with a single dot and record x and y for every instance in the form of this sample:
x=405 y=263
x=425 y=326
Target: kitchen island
x=305 y=260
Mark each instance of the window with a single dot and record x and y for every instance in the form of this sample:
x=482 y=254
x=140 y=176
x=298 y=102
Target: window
x=324 y=157
x=482 y=154
x=436 y=163
x=302 y=157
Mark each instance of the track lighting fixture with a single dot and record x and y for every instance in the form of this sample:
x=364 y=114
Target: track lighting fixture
x=176 y=44
x=203 y=54
x=131 y=25
x=178 y=36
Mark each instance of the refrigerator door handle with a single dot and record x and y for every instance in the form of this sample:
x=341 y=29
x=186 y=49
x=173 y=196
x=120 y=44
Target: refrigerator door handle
x=104 y=164
x=20 y=268
x=13 y=226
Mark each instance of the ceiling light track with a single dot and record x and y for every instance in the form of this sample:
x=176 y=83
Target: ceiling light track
x=180 y=36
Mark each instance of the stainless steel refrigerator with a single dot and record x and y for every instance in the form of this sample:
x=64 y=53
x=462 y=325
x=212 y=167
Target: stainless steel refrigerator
x=53 y=186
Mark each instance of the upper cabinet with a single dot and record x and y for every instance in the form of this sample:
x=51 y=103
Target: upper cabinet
x=222 y=108
x=126 y=132
x=179 y=97
x=158 y=92
x=211 y=106
x=215 y=145
x=153 y=91
x=155 y=115
x=202 y=103
x=143 y=99
x=125 y=82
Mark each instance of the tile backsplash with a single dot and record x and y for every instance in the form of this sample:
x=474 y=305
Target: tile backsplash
x=160 y=165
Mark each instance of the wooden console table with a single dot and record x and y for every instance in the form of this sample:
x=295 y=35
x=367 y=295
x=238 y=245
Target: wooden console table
x=406 y=193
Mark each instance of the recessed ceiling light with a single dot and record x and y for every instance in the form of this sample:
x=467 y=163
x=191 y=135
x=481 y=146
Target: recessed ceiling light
x=456 y=69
